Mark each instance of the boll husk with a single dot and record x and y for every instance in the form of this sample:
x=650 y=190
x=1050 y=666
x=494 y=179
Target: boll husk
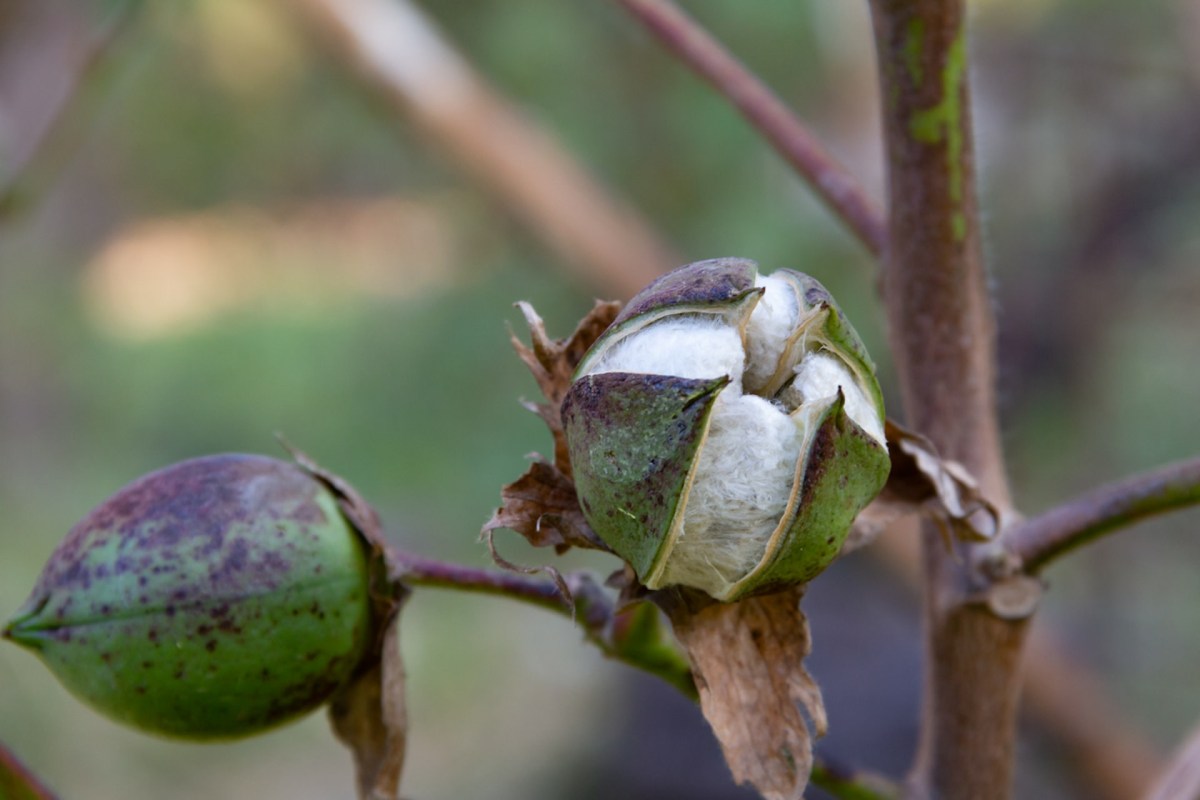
x=726 y=429
x=214 y=598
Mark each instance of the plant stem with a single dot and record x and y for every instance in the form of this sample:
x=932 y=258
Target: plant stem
x=1048 y=536
x=832 y=182
x=44 y=159
x=609 y=629
x=942 y=334
x=590 y=607
x=395 y=48
x=850 y=784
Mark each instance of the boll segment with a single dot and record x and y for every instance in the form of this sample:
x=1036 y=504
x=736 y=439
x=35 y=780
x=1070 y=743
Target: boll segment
x=726 y=429
x=211 y=599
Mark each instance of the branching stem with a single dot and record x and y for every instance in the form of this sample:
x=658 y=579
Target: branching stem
x=1111 y=507
x=607 y=628
x=832 y=182
x=943 y=337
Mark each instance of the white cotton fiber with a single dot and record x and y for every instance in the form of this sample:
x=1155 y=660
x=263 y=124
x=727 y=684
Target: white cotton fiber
x=695 y=346
x=743 y=480
x=818 y=377
x=743 y=476
x=771 y=323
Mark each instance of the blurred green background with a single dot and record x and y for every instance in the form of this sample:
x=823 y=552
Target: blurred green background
x=229 y=236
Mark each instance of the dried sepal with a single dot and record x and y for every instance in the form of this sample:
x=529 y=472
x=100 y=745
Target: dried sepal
x=922 y=482
x=370 y=717
x=953 y=490
x=542 y=506
x=553 y=361
x=747 y=661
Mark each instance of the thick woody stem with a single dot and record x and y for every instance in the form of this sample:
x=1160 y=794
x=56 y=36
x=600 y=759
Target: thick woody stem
x=832 y=182
x=942 y=334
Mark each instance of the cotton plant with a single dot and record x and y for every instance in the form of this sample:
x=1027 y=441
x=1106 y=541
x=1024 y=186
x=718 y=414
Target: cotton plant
x=726 y=429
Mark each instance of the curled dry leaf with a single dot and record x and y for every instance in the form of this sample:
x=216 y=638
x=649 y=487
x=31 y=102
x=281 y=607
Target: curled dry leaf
x=560 y=582
x=368 y=714
x=352 y=504
x=922 y=481
x=747 y=660
x=17 y=782
x=369 y=717
x=542 y=504
x=553 y=363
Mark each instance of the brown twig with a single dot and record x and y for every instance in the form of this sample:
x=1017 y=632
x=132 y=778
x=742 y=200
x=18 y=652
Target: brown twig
x=420 y=571
x=942 y=334
x=591 y=607
x=1117 y=505
x=832 y=182
x=398 y=51
x=44 y=157
x=597 y=613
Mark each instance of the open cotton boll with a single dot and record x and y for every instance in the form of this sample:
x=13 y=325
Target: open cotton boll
x=740 y=490
x=695 y=346
x=771 y=323
x=819 y=375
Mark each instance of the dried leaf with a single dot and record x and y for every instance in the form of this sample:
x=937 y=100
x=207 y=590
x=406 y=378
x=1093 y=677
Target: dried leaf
x=17 y=782
x=368 y=714
x=921 y=480
x=747 y=658
x=553 y=362
x=559 y=582
x=358 y=511
x=369 y=717
x=542 y=506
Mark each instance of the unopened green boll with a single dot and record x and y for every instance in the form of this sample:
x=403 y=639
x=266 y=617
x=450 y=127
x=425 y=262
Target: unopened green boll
x=726 y=429
x=211 y=599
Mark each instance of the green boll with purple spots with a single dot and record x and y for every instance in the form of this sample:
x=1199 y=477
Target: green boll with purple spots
x=726 y=429
x=212 y=599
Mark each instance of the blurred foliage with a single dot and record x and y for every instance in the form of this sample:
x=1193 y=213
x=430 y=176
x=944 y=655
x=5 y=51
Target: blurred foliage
x=216 y=105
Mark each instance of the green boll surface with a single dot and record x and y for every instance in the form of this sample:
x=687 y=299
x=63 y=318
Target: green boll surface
x=212 y=599
x=726 y=429
x=633 y=440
